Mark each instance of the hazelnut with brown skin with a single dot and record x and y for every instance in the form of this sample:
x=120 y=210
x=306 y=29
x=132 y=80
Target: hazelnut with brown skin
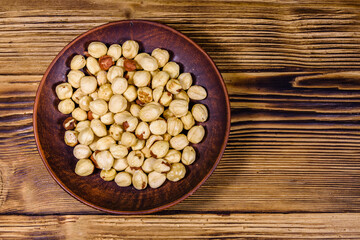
x=69 y=123
x=106 y=62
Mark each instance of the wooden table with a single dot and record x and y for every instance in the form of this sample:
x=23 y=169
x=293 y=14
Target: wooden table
x=292 y=165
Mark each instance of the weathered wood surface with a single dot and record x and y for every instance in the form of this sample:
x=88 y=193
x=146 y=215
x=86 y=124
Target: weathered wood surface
x=292 y=69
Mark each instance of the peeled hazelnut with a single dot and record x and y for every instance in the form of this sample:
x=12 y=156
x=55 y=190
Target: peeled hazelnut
x=123 y=179
x=99 y=107
x=168 y=114
x=120 y=62
x=120 y=164
x=117 y=103
x=66 y=106
x=115 y=131
x=108 y=175
x=185 y=80
x=84 y=103
x=114 y=72
x=148 y=63
x=139 y=180
x=101 y=77
x=105 y=92
x=156 y=179
x=93 y=146
x=119 y=85
x=200 y=112
x=160 y=79
x=69 y=123
x=130 y=94
x=182 y=95
x=179 y=142
x=142 y=78
x=86 y=136
x=92 y=115
x=172 y=68
x=64 y=91
x=162 y=56
x=139 y=145
x=152 y=139
x=145 y=94
x=104 y=143
x=98 y=128
x=105 y=62
x=97 y=49
x=174 y=126
x=197 y=92
x=70 y=138
x=130 y=49
x=142 y=131
x=196 y=134
x=129 y=65
x=130 y=76
x=107 y=118
x=139 y=57
x=153 y=73
x=114 y=51
x=77 y=62
x=188 y=121
x=81 y=151
x=146 y=152
x=173 y=156
x=118 y=151
x=151 y=111
x=78 y=94
x=94 y=95
x=135 y=109
x=148 y=165
x=88 y=84
x=158 y=127
x=177 y=172
x=121 y=117
x=135 y=159
x=179 y=107
x=165 y=99
x=128 y=139
x=104 y=159
x=161 y=166
x=74 y=77
x=92 y=65
x=84 y=167
x=188 y=155
x=157 y=93
x=130 y=124
x=79 y=114
x=82 y=125
x=159 y=149
x=132 y=170
x=167 y=137
x=173 y=86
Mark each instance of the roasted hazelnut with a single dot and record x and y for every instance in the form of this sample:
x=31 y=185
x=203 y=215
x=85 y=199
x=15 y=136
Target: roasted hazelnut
x=162 y=56
x=70 y=138
x=139 y=145
x=105 y=62
x=142 y=131
x=130 y=94
x=74 y=77
x=142 y=78
x=81 y=151
x=130 y=124
x=69 y=123
x=200 y=112
x=173 y=156
x=145 y=94
x=157 y=93
x=64 y=91
x=114 y=51
x=98 y=128
x=104 y=159
x=177 y=172
x=174 y=126
x=82 y=125
x=156 y=179
x=179 y=142
x=114 y=72
x=108 y=175
x=185 y=80
x=66 y=106
x=88 y=84
x=77 y=62
x=107 y=118
x=129 y=65
x=196 y=92
x=152 y=139
x=128 y=139
x=130 y=49
x=84 y=103
x=139 y=57
x=188 y=120
x=86 y=136
x=161 y=166
x=119 y=85
x=78 y=94
x=118 y=151
x=121 y=117
x=148 y=63
x=139 y=180
x=179 y=107
x=120 y=164
x=135 y=159
x=168 y=114
x=167 y=137
x=196 y=134
x=148 y=165
x=123 y=179
x=92 y=65
x=151 y=111
x=101 y=77
x=105 y=92
x=115 y=131
x=99 y=107
x=79 y=114
x=84 y=167
x=182 y=95
x=173 y=86
x=188 y=155
x=135 y=109
x=165 y=99
x=172 y=68
x=158 y=127
x=159 y=149
x=117 y=103
x=104 y=143
x=97 y=49
x=160 y=79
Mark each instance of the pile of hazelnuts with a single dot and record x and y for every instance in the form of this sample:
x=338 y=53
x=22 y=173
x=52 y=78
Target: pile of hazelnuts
x=130 y=115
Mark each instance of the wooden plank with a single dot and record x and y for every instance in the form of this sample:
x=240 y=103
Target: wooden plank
x=182 y=226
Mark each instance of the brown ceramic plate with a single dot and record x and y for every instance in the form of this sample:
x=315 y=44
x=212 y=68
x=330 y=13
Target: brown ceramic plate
x=107 y=196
